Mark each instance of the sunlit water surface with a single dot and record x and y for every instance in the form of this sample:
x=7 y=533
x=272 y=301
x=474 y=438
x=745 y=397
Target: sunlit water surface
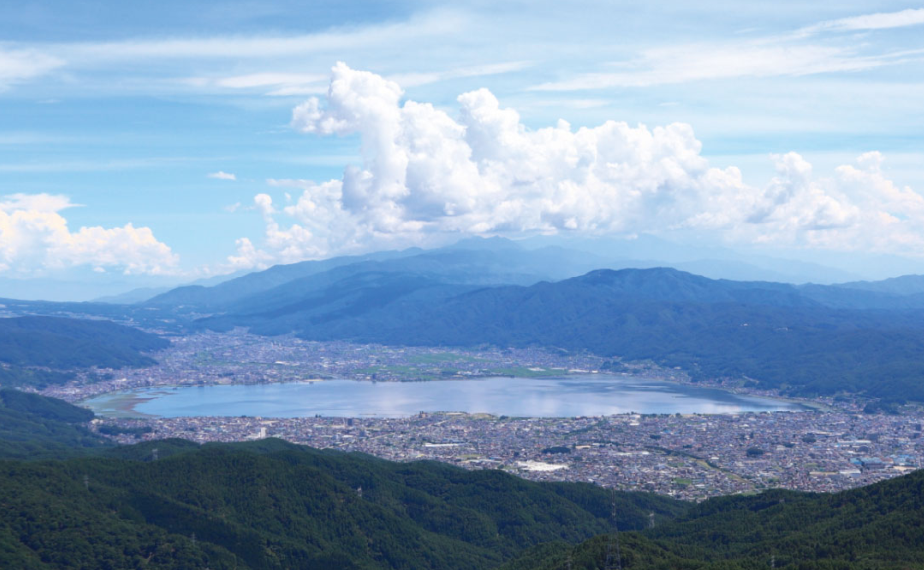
x=583 y=395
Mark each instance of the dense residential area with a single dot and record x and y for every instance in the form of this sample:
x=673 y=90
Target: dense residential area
x=690 y=457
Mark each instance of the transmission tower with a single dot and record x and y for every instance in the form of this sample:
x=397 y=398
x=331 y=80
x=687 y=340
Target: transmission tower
x=154 y=453
x=613 y=555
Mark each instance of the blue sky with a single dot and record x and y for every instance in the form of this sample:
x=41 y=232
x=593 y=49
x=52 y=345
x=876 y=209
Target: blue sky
x=115 y=113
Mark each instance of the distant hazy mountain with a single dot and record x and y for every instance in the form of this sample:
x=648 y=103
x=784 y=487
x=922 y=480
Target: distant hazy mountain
x=496 y=261
x=904 y=285
x=474 y=261
x=645 y=251
x=143 y=294
x=134 y=296
x=252 y=283
x=67 y=290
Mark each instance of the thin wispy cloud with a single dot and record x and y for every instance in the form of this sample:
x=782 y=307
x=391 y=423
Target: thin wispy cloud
x=878 y=21
x=278 y=82
x=222 y=175
x=786 y=55
x=686 y=63
x=417 y=79
x=18 y=65
x=436 y=23
x=89 y=165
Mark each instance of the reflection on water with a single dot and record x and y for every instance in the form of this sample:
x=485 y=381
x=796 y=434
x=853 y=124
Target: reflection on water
x=586 y=395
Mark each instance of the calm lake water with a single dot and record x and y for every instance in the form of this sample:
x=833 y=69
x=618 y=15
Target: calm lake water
x=588 y=395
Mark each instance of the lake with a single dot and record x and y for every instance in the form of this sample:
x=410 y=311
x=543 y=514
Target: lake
x=579 y=395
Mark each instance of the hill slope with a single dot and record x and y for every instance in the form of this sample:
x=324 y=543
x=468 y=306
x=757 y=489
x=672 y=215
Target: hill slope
x=874 y=527
x=35 y=427
x=39 y=350
x=270 y=504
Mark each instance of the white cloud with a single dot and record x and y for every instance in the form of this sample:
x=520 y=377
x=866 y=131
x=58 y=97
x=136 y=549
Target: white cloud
x=279 y=83
x=417 y=79
x=787 y=55
x=427 y=178
x=35 y=238
x=21 y=65
x=435 y=23
x=856 y=209
x=289 y=84
x=87 y=165
x=222 y=175
x=681 y=64
x=878 y=21
x=268 y=79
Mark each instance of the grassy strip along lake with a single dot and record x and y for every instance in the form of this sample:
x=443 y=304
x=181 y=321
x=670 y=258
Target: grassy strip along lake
x=578 y=395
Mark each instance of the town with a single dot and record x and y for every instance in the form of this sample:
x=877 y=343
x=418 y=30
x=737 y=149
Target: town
x=690 y=457
x=241 y=358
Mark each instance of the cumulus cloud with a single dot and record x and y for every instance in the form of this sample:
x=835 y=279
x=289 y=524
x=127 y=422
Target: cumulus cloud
x=222 y=175
x=427 y=177
x=34 y=238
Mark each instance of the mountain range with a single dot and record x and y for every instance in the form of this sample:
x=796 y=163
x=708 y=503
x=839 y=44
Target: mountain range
x=855 y=337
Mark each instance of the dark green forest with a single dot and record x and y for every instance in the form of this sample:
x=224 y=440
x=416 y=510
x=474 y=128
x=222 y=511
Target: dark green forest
x=35 y=427
x=876 y=527
x=270 y=504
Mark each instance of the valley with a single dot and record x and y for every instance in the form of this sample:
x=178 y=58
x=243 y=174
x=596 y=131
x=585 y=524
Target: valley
x=691 y=455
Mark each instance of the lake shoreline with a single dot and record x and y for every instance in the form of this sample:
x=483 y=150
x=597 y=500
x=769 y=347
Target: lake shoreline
x=565 y=396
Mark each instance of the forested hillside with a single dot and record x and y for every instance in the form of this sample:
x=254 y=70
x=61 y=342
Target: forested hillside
x=38 y=351
x=875 y=527
x=35 y=427
x=270 y=504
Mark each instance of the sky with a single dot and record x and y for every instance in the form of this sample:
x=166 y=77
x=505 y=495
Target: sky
x=151 y=142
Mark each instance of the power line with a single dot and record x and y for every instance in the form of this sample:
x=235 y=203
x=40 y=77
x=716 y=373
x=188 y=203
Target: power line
x=613 y=555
